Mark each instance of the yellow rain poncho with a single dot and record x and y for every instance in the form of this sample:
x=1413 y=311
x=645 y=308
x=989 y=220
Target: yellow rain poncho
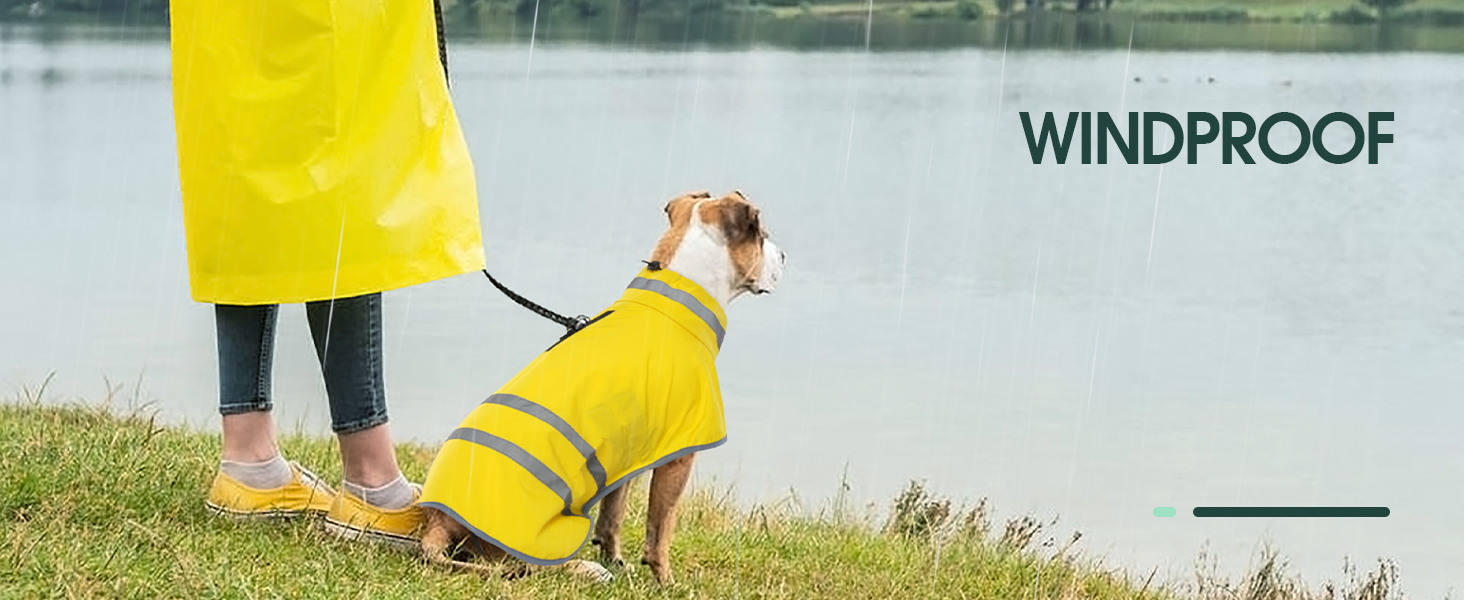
x=319 y=153
x=632 y=391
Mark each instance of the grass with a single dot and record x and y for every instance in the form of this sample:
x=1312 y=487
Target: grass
x=95 y=504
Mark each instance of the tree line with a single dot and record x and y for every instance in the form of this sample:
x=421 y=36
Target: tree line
x=459 y=9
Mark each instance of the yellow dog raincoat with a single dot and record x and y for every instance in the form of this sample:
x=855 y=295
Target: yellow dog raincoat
x=632 y=391
x=319 y=154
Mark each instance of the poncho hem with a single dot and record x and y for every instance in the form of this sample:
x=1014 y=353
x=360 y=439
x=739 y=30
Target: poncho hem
x=589 y=504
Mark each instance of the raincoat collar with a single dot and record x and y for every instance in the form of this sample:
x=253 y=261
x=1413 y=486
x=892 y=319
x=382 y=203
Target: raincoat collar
x=683 y=301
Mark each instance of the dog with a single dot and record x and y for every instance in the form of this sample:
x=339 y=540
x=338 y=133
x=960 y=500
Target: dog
x=634 y=390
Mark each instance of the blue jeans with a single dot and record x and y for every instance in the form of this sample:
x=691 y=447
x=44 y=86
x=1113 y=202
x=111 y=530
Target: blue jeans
x=347 y=333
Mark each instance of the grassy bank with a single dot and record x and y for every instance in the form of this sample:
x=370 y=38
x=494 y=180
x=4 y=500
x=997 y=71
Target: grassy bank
x=97 y=505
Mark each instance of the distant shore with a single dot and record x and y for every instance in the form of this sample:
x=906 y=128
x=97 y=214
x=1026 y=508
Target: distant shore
x=1332 y=26
x=1444 y=13
x=1448 y=13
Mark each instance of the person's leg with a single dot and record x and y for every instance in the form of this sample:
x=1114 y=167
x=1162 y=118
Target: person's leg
x=246 y=356
x=368 y=457
x=249 y=437
x=254 y=479
x=347 y=334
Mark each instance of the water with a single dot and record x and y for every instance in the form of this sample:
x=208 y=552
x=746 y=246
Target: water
x=1081 y=341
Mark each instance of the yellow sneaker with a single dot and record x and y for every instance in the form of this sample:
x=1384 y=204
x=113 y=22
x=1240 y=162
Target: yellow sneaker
x=305 y=494
x=352 y=518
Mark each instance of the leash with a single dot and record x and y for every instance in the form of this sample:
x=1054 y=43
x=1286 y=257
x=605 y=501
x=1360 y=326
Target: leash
x=441 y=38
x=571 y=325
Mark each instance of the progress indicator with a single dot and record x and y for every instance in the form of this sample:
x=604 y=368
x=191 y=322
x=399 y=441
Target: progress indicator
x=1291 y=511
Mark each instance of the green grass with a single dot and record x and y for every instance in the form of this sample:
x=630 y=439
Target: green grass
x=93 y=504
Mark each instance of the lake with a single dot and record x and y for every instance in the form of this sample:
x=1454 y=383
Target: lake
x=1080 y=341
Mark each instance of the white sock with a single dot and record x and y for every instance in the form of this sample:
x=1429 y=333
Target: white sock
x=267 y=475
x=395 y=495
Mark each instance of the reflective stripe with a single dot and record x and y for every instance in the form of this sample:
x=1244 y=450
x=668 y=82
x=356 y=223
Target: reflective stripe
x=592 y=462
x=684 y=299
x=516 y=454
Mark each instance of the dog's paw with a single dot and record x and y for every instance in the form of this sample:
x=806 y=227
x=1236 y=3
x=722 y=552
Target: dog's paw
x=609 y=553
x=659 y=570
x=591 y=570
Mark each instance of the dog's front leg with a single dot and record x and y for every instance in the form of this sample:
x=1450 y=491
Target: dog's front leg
x=667 y=483
x=607 y=525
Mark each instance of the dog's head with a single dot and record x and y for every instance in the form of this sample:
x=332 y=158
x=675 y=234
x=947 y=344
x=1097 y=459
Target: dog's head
x=721 y=235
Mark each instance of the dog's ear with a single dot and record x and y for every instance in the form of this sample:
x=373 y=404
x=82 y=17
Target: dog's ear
x=670 y=208
x=741 y=222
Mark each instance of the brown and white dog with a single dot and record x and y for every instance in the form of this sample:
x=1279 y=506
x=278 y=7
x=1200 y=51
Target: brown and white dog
x=721 y=245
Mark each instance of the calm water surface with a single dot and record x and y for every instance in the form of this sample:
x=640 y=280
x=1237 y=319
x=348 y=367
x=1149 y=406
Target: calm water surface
x=1086 y=342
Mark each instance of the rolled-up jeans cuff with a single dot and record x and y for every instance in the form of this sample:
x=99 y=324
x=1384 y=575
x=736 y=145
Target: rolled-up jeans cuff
x=239 y=408
x=361 y=424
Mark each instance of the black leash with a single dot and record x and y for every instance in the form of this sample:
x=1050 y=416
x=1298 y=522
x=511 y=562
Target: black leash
x=441 y=38
x=571 y=324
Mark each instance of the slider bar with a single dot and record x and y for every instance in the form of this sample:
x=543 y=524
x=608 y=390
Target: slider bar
x=1291 y=511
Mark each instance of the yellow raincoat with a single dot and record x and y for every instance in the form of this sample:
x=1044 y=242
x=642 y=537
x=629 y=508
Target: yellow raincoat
x=319 y=153
x=632 y=391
